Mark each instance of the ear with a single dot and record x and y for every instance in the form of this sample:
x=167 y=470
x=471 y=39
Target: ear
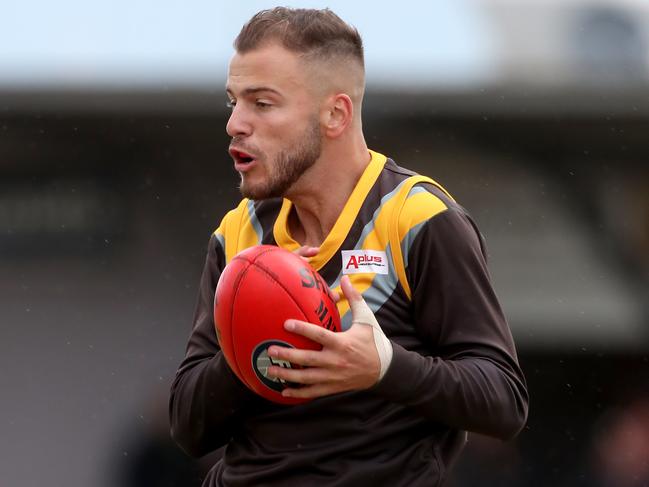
x=338 y=115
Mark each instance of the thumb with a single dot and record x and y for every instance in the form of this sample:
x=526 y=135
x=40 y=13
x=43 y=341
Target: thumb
x=354 y=298
x=306 y=251
x=362 y=314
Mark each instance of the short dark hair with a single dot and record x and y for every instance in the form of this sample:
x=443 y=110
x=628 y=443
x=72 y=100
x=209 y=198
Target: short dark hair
x=310 y=32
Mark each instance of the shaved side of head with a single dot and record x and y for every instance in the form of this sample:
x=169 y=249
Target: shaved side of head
x=331 y=49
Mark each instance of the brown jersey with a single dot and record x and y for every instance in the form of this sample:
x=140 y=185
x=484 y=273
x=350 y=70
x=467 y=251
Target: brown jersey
x=419 y=262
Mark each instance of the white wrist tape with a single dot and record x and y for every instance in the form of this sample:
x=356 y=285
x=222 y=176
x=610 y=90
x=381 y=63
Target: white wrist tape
x=363 y=316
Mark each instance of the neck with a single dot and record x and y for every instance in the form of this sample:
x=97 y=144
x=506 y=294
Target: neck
x=321 y=193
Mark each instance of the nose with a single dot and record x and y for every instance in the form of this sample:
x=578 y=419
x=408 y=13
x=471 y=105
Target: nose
x=238 y=125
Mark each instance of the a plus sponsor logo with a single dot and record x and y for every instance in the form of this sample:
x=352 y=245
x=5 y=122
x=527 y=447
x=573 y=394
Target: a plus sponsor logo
x=364 y=261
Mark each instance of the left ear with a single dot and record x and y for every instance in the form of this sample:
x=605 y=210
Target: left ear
x=338 y=115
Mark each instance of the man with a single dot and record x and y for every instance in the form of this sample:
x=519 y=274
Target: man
x=426 y=353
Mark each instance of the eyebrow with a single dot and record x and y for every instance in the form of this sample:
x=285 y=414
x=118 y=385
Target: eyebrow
x=255 y=89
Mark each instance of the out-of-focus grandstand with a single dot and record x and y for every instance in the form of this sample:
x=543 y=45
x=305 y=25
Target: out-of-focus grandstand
x=114 y=172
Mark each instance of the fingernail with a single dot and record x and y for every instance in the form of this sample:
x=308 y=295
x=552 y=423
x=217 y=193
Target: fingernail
x=289 y=325
x=272 y=351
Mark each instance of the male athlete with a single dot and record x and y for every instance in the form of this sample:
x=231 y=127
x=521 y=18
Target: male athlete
x=426 y=353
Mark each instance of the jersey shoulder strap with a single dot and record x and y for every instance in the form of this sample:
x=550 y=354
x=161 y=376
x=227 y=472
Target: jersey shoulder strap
x=397 y=231
x=238 y=230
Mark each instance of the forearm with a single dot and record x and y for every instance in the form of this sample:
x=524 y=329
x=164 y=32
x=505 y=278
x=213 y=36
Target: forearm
x=467 y=375
x=206 y=401
x=472 y=393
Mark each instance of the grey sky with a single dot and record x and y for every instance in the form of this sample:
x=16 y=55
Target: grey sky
x=164 y=42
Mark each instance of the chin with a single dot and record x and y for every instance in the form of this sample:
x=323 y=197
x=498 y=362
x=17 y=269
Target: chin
x=260 y=192
x=254 y=191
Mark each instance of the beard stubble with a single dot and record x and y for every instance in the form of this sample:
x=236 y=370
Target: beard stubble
x=289 y=165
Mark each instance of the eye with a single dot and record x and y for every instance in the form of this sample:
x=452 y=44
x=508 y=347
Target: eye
x=262 y=104
x=230 y=103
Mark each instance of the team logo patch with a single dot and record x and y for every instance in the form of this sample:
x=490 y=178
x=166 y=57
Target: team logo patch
x=261 y=361
x=364 y=261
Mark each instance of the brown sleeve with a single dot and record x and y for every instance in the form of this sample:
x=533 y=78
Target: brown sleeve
x=206 y=399
x=472 y=380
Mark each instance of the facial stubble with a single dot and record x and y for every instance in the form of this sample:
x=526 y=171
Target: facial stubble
x=288 y=166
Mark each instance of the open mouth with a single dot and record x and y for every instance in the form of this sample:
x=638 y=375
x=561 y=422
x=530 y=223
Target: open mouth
x=241 y=157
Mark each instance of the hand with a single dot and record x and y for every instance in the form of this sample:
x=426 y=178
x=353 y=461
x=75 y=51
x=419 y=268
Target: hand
x=305 y=252
x=348 y=360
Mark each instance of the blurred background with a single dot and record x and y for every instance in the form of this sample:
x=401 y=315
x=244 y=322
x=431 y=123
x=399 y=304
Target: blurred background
x=534 y=114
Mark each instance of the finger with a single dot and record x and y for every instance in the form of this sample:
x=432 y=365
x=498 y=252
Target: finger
x=309 y=375
x=306 y=251
x=349 y=290
x=315 y=332
x=335 y=295
x=356 y=301
x=306 y=358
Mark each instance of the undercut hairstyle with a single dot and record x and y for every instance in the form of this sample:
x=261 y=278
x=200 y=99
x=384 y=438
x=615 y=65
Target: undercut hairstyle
x=315 y=34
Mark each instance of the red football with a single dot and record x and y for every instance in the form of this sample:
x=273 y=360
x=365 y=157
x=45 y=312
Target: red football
x=257 y=292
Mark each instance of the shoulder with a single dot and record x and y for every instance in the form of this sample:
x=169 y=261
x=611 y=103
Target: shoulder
x=427 y=205
x=232 y=216
x=247 y=212
x=423 y=201
x=418 y=197
x=246 y=225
